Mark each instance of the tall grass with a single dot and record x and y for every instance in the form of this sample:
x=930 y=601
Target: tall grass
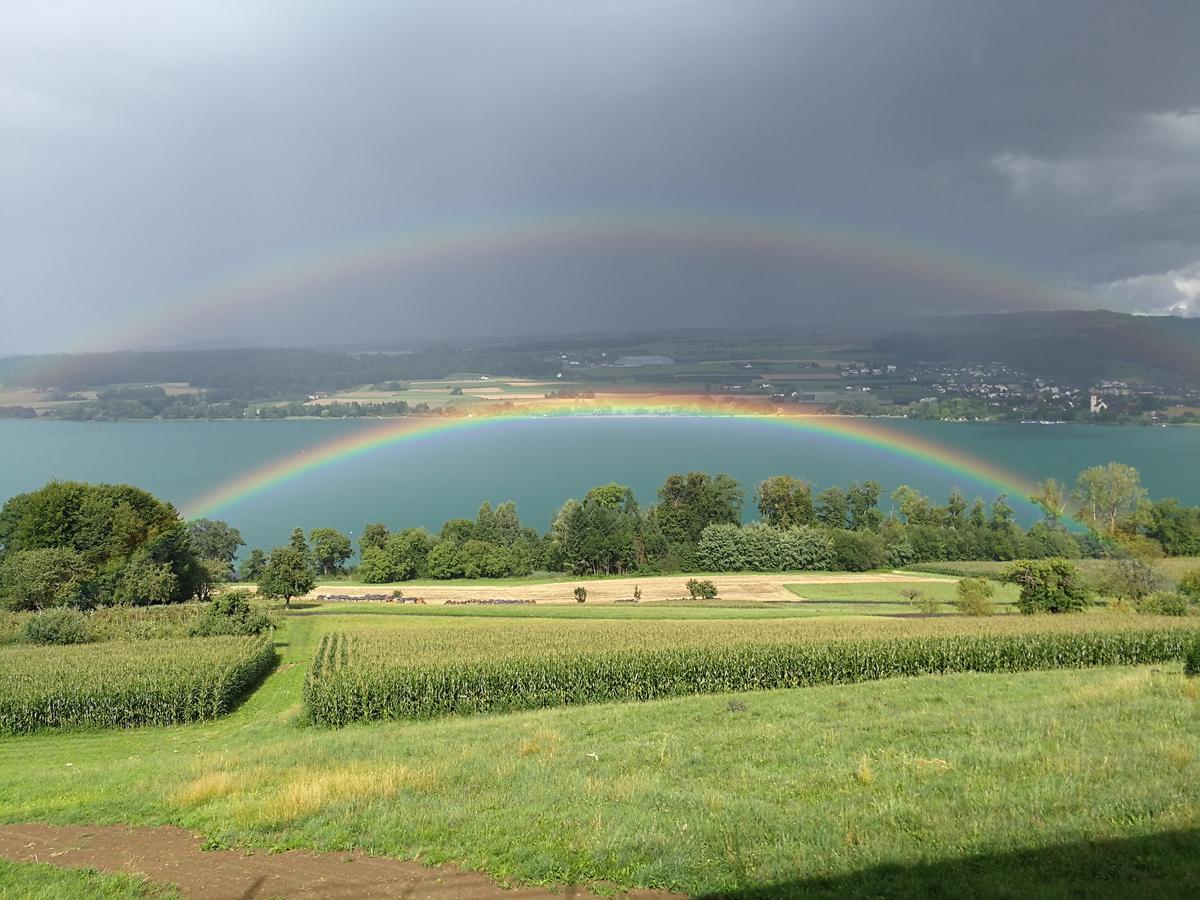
x=121 y=684
x=370 y=676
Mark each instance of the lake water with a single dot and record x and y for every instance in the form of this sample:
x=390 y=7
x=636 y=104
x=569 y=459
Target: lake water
x=541 y=462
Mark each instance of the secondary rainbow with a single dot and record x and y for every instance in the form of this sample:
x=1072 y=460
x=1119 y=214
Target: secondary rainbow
x=863 y=432
x=321 y=271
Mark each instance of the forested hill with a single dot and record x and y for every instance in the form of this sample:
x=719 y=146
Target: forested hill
x=1072 y=345
x=265 y=372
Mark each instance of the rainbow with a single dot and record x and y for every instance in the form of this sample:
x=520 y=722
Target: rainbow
x=326 y=269
x=864 y=432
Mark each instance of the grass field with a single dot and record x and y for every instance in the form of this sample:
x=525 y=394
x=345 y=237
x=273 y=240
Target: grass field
x=1173 y=567
x=859 y=599
x=41 y=881
x=1032 y=784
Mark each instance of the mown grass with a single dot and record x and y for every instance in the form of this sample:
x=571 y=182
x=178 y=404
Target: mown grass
x=984 y=784
x=1172 y=568
x=885 y=597
x=42 y=881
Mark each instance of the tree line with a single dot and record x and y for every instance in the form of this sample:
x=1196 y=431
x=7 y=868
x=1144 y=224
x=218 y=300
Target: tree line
x=696 y=525
x=84 y=545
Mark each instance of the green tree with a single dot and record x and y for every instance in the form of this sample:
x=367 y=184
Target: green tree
x=373 y=535
x=784 y=501
x=330 y=548
x=144 y=581
x=43 y=578
x=687 y=504
x=106 y=525
x=1175 y=526
x=215 y=540
x=252 y=566
x=862 y=501
x=1048 y=585
x=1109 y=498
x=833 y=508
x=286 y=574
x=297 y=542
x=1052 y=498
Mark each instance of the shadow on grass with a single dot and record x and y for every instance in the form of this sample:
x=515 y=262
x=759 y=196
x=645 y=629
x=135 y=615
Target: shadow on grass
x=1164 y=865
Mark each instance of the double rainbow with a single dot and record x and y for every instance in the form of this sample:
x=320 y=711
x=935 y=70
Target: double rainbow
x=323 y=272
x=863 y=432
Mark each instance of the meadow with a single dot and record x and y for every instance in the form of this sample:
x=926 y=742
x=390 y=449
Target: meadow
x=1040 y=782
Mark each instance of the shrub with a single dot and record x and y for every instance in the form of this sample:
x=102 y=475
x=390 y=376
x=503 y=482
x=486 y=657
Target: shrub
x=119 y=685
x=231 y=614
x=1191 y=659
x=580 y=594
x=763 y=548
x=922 y=600
x=1048 y=585
x=1130 y=579
x=1189 y=584
x=974 y=597
x=857 y=551
x=56 y=626
x=1164 y=603
x=701 y=589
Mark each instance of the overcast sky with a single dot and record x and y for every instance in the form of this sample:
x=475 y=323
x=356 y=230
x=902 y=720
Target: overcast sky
x=151 y=149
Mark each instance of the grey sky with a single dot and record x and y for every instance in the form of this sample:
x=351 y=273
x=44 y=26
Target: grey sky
x=148 y=149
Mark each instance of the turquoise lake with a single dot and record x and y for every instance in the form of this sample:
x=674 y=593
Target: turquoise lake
x=541 y=462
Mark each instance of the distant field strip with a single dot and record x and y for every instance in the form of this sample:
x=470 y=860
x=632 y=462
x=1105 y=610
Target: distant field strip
x=120 y=684
x=427 y=672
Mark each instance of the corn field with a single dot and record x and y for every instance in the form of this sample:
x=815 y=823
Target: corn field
x=121 y=684
x=370 y=676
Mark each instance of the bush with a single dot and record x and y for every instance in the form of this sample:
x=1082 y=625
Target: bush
x=763 y=548
x=857 y=551
x=56 y=626
x=1048 y=585
x=974 y=597
x=701 y=589
x=231 y=614
x=1130 y=579
x=1191 y=658
x=1164 y=603
x=1189 y=584
x=581 y=594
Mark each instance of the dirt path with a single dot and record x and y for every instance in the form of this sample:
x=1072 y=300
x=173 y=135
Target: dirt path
x=662 y=587
x=173 y=855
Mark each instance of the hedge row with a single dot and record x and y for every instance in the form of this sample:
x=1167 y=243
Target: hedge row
x=122 y=684
x=356 y=678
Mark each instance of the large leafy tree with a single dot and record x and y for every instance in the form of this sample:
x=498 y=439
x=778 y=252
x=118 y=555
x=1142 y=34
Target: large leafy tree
x=330 y=548
x=687 y=504
x=215 y=540
x=784 y=501
x=1109 y=499
x=110 y=528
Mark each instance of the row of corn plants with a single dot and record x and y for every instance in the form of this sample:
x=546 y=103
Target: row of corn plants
x=360 y=677
x=122 y=684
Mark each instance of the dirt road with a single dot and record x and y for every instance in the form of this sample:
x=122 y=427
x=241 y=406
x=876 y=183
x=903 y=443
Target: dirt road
x=174 y=856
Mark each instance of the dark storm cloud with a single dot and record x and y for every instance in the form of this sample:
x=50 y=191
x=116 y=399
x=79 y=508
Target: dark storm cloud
x=148 y=149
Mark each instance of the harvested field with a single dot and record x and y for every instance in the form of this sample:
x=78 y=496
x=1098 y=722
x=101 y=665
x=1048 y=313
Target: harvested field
x=738 y=586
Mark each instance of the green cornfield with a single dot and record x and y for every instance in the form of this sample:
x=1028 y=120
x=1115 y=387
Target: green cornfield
x=423 y=672
x=121 y=684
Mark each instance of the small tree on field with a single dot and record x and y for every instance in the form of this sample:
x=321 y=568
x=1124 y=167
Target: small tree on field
x=701 y=589
x=581 y=595
x=1131 y=579
x=286 y=575
x=922 y=600
x=1048 y=585
x=1189 y=584
x=975 y=597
